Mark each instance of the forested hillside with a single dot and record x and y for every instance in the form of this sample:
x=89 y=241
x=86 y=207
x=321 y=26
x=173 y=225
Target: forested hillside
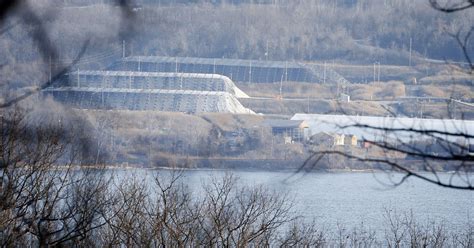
x=365 y=31
x=357 y=31
x=360 y=32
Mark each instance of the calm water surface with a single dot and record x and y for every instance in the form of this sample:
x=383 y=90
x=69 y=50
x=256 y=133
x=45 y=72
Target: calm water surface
x=353 y=198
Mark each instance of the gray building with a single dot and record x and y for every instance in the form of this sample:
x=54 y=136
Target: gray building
x=296 y=130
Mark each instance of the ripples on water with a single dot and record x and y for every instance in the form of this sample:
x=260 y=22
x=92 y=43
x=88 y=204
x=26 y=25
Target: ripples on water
x=352 y=198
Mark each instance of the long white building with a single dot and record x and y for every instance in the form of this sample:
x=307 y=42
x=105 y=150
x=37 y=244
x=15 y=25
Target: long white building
x=160 y=91
x=187 y=101
x=152 y=80
x=400 y=126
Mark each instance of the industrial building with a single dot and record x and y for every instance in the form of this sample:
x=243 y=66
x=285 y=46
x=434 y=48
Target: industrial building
x=238 y=70
x=150 y=80
x=177 y=84
x=186 y=101
x=381 y=128
x=327 y=139
x=129 y=90
x=296 y=130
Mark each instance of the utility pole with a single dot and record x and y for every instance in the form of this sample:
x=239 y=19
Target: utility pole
x=421 y=110
x=139 y=62
x=266 y=52
x=409 y=58
x=374 y=73
x=308 y=106
x=271 y=147
x=324 y=73
x=176 y=65
x=378 y=76
x=123 y=48
x=250 y=73
x=281 y=86
x=377 y=72
x=214 y=70
x=50 y=69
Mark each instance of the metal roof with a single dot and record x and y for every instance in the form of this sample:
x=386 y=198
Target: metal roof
x=150 y=74
x=212 y=61
x=151 y=91
x=206 y=78
x=189 y=101
x=346 y=124
x=283 y=123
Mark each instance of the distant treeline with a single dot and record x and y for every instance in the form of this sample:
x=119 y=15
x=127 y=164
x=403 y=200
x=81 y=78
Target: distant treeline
x=352 y=30
x=358 y=31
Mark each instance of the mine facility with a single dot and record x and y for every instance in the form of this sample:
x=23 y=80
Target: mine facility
x=238 y=70
x=129 y=90
x=177 y=84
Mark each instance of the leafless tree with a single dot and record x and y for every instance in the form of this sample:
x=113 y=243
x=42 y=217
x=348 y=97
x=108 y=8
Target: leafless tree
x=241 y=216
x=444 y=150
x=175 y=213
x=426 y=151
x=463 y=40
x=302 y=234
x=130 y=225
x=358 y=236
x=45 y=199
x=169 y=214
x=452 y=6
x=27 y=156
x=405 y=230
x=39 y=33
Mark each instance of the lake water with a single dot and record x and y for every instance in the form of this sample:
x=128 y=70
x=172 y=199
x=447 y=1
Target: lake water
x=353 y=198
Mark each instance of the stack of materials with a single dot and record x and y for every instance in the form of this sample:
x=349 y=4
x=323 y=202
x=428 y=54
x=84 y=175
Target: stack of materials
x=134 y=90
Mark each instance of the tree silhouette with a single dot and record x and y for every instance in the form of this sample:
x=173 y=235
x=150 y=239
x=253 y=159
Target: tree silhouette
x=431 y=149
x=452 y=6
x=39 y=33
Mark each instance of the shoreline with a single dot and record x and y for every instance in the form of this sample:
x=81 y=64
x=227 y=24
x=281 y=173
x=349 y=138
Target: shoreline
x=328 y=171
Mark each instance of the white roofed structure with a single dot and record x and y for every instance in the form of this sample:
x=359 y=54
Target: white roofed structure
x=238 y=70
x=400 y=126
x=152 y=80
x=188 y=101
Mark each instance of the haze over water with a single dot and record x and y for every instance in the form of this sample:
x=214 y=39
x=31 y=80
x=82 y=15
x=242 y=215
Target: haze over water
x=350 y=199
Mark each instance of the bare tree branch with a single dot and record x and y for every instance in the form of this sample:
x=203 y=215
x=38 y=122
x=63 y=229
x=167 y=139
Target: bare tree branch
x=11 y=102
x=463 y=42
x=393 y=164
x=452 y=6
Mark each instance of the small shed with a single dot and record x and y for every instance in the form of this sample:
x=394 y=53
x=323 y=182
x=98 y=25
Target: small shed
x=344 y=98
x=338 y=139
x=350 y=140
x=364 y=144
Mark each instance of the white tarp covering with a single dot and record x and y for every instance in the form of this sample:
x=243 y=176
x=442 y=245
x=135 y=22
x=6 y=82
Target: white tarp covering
x=401 y=128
